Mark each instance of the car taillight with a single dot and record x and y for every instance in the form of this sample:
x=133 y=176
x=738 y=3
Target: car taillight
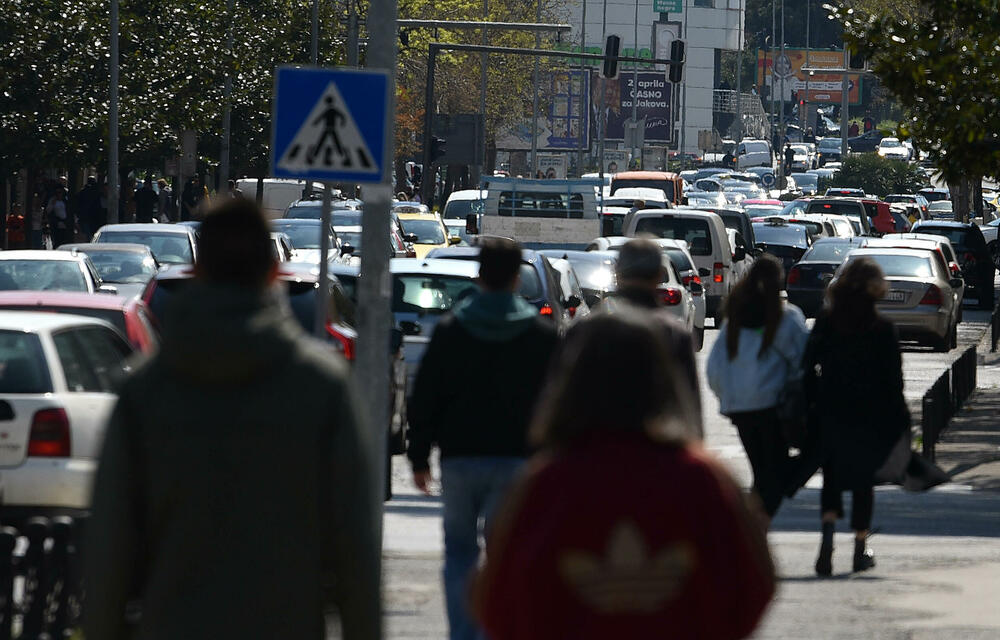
x=717 y=272
x=546 y=310
x=794 y=275
x=932 y=297
x=955 y=269
x=670 y=296
x=49 y=434
x=343 y=343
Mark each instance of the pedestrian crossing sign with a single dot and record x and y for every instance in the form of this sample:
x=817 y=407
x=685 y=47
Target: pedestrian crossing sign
x=330 y=125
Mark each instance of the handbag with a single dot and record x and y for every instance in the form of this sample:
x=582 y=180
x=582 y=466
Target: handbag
x=793 y=411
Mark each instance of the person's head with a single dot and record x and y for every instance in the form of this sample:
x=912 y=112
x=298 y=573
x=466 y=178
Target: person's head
x=853 y=294
x=809 y=131
x=612 y=167
x=235 y=246
x=579 y=402
x=640 y=265
x=755 y=303
x=639 y=204
x=92 y=181
x=162 y=183
x=499 y=264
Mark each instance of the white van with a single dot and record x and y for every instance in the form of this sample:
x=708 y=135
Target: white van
x=278 y=193
x=461 y=203
x=708 y=244
x=754 y=153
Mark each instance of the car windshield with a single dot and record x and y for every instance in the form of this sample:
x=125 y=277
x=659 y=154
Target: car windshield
x=461 y=208
x=829 y=144
x=666 y=186
x=680 y=260
x=22 y=364
x=795 y=207
x=837 y=208
x=169 y=248
x=594 y=274
x=114 y=317
x=808 y=179
x=890 y=142
x=791 y=235
x=902 y=266
x=940 y=205
x=427 y=231
x=41 y=275
x=959 y=237
x=429 y=294
x=830 y=252
x=304 y=211
x=345 y=218
x=694 y=231
x=352 y=238
x=303 y=236
x=761 y=211
x=122 y=267
x=899 y=198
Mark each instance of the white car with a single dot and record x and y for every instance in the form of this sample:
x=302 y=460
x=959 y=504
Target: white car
x=34 y=270
x=57 y=376
x=678 y=253
x=894 y=149
x=990 y=234
x=461 y=203
x=677 y=298
x=572 y=294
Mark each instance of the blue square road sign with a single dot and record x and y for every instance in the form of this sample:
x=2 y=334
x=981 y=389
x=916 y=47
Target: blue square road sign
x=330 y=125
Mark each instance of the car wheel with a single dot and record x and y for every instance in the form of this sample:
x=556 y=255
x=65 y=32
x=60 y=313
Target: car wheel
x=994 y=248
x=699 y=338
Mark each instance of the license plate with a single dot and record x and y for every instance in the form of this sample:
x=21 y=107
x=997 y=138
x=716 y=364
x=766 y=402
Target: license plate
x=896 y=296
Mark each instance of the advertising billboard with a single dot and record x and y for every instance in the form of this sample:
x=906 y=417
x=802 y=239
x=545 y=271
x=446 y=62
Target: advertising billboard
x=565 y=126
x=823 y=87
x=654 y=103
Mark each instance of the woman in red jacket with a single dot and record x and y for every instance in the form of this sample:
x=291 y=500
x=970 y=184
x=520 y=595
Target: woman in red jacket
x=623 y=527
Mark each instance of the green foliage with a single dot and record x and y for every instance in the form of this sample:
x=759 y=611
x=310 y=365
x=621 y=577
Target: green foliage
x=877 y=175
x=942 y=63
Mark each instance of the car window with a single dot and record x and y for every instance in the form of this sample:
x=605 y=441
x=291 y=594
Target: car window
x=303 y=236
x=902 y=266
x=695 y=231
x=122 y=266
x=169 y=248
x=42 y=275
x=106 y=354
x=462 y=208
x=962 y=239
x=79 y=376
x=793 y=235
x=429 y=293
x=830 y=252
x=853 y=209
x=23 y=368
x=679 y=260
x=427 y=231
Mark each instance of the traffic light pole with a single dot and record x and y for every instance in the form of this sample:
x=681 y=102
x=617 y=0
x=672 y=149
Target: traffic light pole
x=428 y=180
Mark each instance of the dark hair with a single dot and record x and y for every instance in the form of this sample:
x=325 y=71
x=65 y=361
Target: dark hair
x=499 y=263
x=854 y=293
x=755 y=302
x=639 y=259
x=235 y=245
x=578 y=400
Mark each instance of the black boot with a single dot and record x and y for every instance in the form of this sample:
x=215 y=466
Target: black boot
x=824 y=563
x=864 y=558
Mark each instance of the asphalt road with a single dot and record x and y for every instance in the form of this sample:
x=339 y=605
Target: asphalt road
x=938 y=553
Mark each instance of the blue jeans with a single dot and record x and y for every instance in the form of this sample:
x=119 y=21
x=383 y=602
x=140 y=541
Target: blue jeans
x=473 y=488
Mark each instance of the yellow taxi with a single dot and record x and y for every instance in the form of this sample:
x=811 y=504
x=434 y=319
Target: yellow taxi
x=430 y=233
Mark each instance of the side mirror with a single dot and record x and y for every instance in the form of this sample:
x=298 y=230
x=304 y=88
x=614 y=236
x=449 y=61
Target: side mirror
x=704 y=273
x=347 y=249
x=472 y=224
x=410 y=328
x=573 y=302
x=739 y=253
x=696 y=288
x=107 y=288
x=453 y=240
x=956 y=283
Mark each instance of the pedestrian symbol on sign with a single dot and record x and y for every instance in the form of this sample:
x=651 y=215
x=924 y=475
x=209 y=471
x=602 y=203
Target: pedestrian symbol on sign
x=329 y=139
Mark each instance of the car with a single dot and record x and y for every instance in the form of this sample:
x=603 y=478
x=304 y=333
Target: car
x=612 y=220
x=914 y=198
x=678 y=254
x=171 y=244
x=845 y=192
x=941 y=210
x=939 y=246
x=305 y=236
x=805 y=156
x=920 y=301
x=828 y=150
x=880 y=216
x=572 y=293
x=893 y=149
x=933 y=194
x=343 y=213
x=679 y=300
x=974 y=256
x=853 y=208
x=989 y=231
x=867 y=141
x=461 y=203
x=669 y=183
x=277 y=194
x=58 y=375
x=807 y=279
x=429 y=230
x=281 y=247
x=539 y=283
x=458 y=228
x=608 y=243
x=595 y=270
x=808 y=183
x=753 y=153
x=127 y=267
x=128 y=315
x=35 y=270
x=786 y=242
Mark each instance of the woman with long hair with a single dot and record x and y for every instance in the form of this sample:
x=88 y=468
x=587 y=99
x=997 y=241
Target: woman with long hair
x=758 y=351
x=623 y=526
x=854 y=378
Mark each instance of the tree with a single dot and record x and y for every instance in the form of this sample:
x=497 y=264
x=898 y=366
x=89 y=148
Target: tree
x=877 y=175
x=941 y=63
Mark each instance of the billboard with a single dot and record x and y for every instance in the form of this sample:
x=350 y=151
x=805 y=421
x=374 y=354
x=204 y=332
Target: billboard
x=565 y=126
x=654 y=102
x=823 y=87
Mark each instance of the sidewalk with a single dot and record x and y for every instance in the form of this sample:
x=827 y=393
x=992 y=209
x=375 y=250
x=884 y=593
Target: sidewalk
x=969 y=449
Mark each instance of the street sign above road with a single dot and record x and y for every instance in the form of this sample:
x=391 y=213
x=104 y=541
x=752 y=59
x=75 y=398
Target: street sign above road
x=668 y=6
x=330 y=125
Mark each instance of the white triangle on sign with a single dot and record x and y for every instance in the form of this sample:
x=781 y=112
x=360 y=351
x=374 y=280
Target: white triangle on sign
x=329 y=140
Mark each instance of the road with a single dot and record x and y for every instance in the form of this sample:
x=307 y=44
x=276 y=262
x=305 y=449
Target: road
x=938 y=553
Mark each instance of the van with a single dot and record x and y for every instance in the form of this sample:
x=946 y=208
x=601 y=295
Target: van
x=669 y=183
x=708 y=243
x=753 y=153
x=461 y=203
x=279 y=193
x=540 y=214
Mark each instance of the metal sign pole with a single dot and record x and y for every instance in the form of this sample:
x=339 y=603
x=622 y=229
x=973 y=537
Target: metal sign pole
x=323 y=293
x=113 y=187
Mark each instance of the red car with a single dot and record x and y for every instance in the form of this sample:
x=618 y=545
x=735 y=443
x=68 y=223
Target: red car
x=881 y=216
x=129 y=315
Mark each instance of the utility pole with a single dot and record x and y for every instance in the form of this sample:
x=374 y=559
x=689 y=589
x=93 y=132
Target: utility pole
x=483 y=62
x=314 y=41
x=805 y=118
x=584 y=101
x=684 y=90
x=635 y=87
x=353 y=53
x=844 y=87
x=534 y=101
x=739 y=81
x=227 y=106
x=113 y=188
x=602 y=119
x=774 y=36
x=782 y=110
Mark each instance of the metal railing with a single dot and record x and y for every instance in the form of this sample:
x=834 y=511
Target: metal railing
x=945 y=397
x=40 y=588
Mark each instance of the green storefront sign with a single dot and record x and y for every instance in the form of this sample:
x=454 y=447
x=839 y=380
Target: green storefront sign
x=668 y=6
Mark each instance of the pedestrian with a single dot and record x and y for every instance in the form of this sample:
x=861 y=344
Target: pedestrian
x=758 y=352
x=186 y=523
x=474 y=393
x=789 y=158
x=36 y=217
x=60 y=224
x=234 y=191
x=88 y=205
x=145 y=201
x=851 y=351
x=852 y=131
x=191 y=197
x=164 y=201
x=637 y=205
x=623 y=526
x=639 y=272
x=810 y=137
x=776 y=145
x=612 y=167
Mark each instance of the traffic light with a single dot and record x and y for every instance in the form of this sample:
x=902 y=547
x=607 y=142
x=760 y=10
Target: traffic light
x=438 y=148
x=857 y=60
x=611 y=48
x=676 y=61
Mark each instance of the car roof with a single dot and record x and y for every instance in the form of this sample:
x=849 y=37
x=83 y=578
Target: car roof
x=646 y=175
x=577 y=254
x=930 y=224
x=295 y=221
x=63 y=298
x=468 y=194
x=916 y=253
x=33 y=321
x=351 y=228
x=176 y=229
x=124 y=247
x=437 y=266
x=39 y=254
x=405 y=215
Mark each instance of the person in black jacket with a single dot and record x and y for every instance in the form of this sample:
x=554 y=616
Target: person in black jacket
x=473 y=397
x=854 y=376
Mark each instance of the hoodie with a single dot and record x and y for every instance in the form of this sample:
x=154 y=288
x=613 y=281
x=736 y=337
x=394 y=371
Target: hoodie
x=495 y=316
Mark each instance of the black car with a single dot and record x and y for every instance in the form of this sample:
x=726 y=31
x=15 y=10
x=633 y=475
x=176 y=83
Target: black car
x=809 y=277
x=786 y=242
x=828 y=150
x=973 y=255
x=738 y=221
x=595 y=271
x=865 y=142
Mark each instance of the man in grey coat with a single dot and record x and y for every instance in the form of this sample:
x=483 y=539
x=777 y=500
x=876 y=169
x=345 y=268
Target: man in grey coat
x=235 y=496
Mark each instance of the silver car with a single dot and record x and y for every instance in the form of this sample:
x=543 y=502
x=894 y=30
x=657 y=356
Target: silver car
x=920 y=301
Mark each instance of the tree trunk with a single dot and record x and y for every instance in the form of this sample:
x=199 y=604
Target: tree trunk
x=977 y=198
x=399 y=167
x=960 y=199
